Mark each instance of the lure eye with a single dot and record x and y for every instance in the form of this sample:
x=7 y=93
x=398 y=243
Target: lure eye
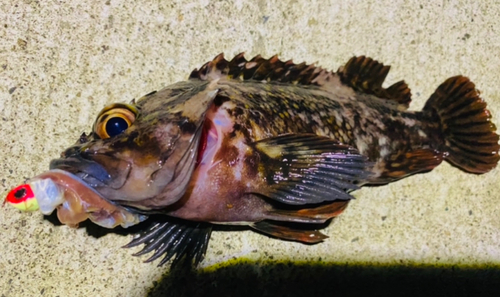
x=114 y=119
x=20 y=194
x=22 y=198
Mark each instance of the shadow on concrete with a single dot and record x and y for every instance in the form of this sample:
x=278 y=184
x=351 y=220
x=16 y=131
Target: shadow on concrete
x=246 y=278
x=292 y=279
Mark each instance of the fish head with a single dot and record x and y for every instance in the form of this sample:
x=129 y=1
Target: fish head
x=141 y=150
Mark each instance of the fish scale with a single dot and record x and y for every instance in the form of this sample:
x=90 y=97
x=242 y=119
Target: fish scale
x=363 y=120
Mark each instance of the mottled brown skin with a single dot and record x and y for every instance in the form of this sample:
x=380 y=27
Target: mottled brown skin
x=359 y=120
x=272 y=113
x=154 y=165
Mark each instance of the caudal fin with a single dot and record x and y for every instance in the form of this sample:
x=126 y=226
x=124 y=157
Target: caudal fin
x=470 y=138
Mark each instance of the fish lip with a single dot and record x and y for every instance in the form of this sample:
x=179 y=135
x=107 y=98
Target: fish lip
x=98 y=170
x=91 y=172
x=76 y=164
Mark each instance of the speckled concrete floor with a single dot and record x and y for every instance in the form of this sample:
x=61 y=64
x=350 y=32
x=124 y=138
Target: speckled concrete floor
x=61 y=62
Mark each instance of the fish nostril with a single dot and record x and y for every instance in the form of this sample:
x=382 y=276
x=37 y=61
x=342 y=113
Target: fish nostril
x=71 y=151
x=83 y=138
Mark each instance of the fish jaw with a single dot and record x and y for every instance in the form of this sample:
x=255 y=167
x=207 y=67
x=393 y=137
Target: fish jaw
x=132 y=172
x=113 y=175
x=75 y=201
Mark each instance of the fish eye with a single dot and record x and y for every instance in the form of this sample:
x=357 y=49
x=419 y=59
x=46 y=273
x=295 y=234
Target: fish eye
x=114 y=119
x=116 y=125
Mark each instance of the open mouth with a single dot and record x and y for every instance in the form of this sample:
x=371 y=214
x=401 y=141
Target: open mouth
x=94 y=175
x=92 y=172
x=76 y=201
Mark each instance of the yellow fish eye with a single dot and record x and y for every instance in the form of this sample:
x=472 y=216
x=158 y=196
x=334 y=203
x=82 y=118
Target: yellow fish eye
x=114 y=119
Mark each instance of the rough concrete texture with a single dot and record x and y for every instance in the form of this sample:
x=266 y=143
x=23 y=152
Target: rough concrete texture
x=62 y=61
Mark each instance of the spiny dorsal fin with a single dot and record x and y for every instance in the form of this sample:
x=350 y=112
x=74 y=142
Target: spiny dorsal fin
x=360 y=73
x=367 y=75
x=260 y=69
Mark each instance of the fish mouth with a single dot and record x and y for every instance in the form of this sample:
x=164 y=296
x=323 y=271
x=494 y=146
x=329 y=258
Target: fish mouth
x=79 y=201
x=92 y=172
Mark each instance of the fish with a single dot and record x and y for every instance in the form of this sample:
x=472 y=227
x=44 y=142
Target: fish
x=273 y=145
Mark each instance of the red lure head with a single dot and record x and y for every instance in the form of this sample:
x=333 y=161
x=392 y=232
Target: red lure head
x=22 y=198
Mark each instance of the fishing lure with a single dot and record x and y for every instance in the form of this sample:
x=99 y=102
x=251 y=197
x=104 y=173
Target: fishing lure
x=74 y=200
x=41 y=194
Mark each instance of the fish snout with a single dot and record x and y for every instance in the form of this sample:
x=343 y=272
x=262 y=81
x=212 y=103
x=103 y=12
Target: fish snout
x=98 y=170
x=71 y=151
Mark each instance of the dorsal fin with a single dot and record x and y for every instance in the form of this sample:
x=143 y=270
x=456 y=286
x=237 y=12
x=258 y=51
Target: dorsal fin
x=360 y=73
x=367 y=75
x=260 y=69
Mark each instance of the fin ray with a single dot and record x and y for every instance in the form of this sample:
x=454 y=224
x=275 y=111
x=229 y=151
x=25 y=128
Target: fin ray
x=175 y=240
x=309 y=215
x=289 y=233
x=367 y=75
x=470 y=138
x=309 y=169
x=275 y=70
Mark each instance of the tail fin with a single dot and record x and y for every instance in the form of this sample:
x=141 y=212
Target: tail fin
x=470 y=138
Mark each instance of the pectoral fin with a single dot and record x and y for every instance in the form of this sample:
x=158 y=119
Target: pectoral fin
x=309 y=169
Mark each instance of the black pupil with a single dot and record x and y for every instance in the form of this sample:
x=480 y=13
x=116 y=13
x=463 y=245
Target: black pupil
x=19 y=194
x=115 y=126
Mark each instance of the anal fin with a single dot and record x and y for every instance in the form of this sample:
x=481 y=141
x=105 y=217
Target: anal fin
x=289 y=233
x=402 y=164
x=367 y=75
x=309 y=215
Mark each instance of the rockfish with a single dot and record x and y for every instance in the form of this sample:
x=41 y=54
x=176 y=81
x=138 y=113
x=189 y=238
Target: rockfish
x=272 y=145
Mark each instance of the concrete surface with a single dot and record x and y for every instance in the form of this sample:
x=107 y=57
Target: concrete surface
x=62 y=61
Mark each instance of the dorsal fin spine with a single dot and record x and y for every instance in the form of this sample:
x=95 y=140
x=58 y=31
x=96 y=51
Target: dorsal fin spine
x=362 y=74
